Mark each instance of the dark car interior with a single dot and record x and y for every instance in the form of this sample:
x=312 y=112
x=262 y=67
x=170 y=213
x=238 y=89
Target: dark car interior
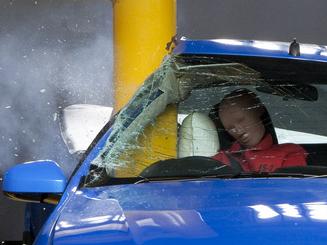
x=294 y=94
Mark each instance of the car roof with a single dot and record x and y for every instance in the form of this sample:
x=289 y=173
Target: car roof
x=255 y=48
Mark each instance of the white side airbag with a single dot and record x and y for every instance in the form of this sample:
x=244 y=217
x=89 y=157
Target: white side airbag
x=198 y=136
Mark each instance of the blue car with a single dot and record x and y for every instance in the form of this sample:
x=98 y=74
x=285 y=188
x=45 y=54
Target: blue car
x=133 y=188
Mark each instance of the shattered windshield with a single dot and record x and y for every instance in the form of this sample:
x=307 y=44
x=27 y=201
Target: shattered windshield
x=211 y=116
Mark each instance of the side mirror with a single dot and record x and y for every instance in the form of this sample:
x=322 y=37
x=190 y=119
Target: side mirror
x=38 y=181
x=80 y=124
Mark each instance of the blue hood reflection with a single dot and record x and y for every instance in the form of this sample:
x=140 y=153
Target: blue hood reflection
x=244 y=211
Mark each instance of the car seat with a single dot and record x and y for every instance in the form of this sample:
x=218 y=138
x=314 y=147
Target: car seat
x=198 y=136
x=317 y=154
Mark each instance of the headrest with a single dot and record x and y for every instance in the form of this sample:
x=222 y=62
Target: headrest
x=198 y=136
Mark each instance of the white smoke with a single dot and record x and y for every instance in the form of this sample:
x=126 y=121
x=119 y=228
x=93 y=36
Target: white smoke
x=52 y=54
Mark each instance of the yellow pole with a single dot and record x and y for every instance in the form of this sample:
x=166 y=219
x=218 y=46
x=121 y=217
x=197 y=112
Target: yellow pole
x=142 y=29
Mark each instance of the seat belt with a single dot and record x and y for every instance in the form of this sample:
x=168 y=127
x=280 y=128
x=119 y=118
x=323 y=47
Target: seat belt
x=234 y=163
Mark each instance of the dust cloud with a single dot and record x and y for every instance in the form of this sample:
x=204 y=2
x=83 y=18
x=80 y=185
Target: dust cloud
x=52 y=54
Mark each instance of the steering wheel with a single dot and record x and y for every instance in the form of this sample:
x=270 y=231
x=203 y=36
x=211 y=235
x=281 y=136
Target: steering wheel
x=194 y=166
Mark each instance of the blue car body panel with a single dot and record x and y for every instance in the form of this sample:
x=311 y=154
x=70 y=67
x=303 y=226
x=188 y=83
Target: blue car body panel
x=245 y=211
x=46 y=233
x=280 y=50
x=248 y=211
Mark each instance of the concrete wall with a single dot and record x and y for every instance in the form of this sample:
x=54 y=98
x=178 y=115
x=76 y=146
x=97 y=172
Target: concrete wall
x=280 y=20
x=52 y=54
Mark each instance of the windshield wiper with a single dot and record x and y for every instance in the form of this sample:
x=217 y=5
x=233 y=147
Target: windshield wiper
x=296 y=172
x=142 y=179
x=102 y=179
x=231 y=176
x=183 y=177
x=273 y=175
x=223 y=176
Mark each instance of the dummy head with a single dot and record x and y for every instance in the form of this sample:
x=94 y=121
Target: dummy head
x=240 y=113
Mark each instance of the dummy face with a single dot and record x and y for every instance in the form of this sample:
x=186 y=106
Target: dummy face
x=241 y=118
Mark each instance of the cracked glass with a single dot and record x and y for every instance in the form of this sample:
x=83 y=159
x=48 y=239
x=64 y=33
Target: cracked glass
x=215 y=113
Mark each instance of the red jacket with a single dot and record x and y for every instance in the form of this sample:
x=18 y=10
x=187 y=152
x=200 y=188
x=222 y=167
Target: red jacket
x=265 y=156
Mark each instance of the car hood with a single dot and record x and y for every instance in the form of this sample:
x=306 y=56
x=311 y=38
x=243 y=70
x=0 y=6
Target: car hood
x=242 y=211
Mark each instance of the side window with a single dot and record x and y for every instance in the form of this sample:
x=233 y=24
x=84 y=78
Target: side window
x=294 y=120
x=297 y=121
